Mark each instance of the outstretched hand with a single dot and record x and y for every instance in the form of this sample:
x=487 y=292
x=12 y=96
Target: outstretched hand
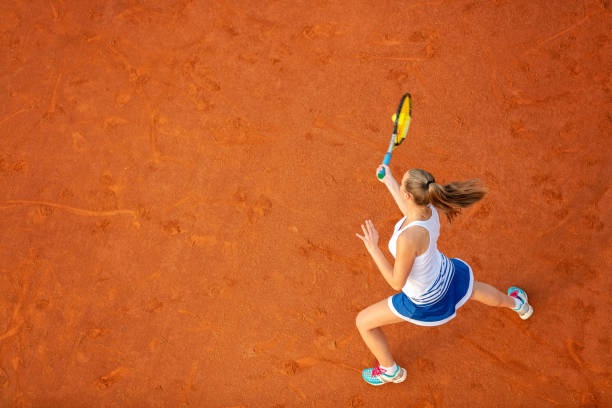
x=370 y=236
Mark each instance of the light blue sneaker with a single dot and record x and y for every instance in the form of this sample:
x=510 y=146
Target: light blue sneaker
x=378 y=376
x=524 y=310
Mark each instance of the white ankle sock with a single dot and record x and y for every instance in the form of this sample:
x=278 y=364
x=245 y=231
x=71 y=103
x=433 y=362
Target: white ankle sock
x=517 y=303
x=390 y=370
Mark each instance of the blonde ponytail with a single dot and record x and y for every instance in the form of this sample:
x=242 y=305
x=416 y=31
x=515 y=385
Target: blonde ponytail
x=448 y=198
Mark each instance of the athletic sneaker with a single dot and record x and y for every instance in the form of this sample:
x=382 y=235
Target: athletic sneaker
x=379 y=376
x=524 y=310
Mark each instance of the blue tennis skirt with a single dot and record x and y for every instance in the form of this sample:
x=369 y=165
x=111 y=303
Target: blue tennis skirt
x=443 y=310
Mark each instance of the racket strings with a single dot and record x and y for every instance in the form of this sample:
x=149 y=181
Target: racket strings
x=403 y=118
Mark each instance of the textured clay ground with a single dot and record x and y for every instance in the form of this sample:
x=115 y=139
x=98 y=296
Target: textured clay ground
x=181 y=181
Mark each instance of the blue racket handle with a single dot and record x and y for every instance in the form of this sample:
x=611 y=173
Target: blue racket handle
x=386 y=160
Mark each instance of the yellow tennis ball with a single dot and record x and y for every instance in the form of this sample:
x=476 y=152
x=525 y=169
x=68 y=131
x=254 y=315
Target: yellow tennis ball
x=401 y=120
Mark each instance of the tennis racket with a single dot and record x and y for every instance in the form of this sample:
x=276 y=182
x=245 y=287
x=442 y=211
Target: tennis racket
x=401 y=123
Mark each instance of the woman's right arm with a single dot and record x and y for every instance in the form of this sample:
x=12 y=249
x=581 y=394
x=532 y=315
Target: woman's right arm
x=392 y=185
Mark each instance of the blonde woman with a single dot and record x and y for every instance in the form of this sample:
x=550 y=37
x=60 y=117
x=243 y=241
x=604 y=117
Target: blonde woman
x=431 y=286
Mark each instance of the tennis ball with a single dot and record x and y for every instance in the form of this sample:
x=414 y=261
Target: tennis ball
x=401 y=120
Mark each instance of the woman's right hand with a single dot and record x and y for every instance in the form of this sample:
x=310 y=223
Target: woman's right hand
x=387 y=177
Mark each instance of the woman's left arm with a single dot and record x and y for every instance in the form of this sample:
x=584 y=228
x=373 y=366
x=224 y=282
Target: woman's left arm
x=394 y=275
x=384 y=266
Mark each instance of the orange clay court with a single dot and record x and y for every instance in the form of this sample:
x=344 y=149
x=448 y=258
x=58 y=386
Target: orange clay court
x=181 y=183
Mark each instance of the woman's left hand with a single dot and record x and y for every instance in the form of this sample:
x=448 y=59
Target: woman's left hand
x=370 y=236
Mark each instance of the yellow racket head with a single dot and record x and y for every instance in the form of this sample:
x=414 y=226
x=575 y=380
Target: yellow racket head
x=403 y=123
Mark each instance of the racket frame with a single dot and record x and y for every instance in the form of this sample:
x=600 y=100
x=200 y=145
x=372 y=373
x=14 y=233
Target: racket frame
x=394 y=143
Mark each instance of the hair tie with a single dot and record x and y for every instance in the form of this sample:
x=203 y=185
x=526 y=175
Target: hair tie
x=428 y=183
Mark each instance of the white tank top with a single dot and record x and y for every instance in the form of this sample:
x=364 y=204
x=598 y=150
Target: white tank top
x=431 y=272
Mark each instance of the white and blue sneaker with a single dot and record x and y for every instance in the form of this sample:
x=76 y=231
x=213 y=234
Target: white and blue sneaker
x=524 y=310
x=380 y=376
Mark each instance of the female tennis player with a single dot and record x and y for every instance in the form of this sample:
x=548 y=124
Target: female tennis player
x=432 y=287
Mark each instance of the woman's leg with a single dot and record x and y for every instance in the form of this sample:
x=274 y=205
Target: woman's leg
x=488 y=295
x=369 y=321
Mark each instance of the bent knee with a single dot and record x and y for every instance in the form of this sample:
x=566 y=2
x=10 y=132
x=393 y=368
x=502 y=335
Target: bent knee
x=364 y=322
x=360 y=320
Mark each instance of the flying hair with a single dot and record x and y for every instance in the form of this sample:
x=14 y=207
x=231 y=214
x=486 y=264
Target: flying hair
x=449 y=198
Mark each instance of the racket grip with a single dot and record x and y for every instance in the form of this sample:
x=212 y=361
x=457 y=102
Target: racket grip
x=386 y=160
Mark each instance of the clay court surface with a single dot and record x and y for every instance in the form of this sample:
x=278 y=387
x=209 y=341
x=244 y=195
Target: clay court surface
x=181 y=182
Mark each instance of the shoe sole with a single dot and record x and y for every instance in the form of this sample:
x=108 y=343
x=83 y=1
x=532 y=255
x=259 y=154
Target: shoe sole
x=527 y=314
x=402 y=377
